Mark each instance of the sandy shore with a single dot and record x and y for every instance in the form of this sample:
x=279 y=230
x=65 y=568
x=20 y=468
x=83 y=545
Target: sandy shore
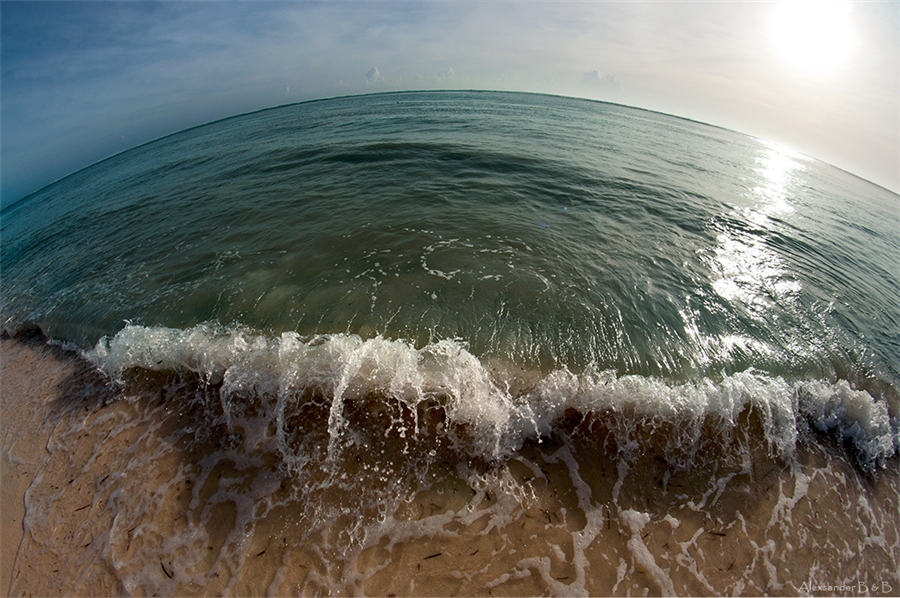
x=24 y=402
x=130 y=497
x=15 y=479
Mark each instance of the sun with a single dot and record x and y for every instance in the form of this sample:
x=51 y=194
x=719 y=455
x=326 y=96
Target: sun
x=814 y=38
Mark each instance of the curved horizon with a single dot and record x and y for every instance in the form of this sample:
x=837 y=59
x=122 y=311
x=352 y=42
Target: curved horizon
x=414 y=91
x=85 y=81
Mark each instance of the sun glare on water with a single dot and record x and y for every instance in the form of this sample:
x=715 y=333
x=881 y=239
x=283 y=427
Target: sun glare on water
x=814 y=38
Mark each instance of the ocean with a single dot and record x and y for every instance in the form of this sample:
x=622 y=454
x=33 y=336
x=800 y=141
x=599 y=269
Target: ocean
x=454 y=343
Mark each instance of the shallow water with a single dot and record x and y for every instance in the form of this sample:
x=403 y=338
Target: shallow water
x=440 y=343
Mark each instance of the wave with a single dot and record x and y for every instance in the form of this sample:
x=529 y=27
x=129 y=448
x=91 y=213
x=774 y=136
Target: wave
x=492 y=409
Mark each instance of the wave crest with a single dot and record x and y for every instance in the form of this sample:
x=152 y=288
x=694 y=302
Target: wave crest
x=499 y=406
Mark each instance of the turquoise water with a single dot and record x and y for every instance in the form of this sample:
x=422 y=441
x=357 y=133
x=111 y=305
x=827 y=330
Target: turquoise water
x=428 y=300
x=546 y=231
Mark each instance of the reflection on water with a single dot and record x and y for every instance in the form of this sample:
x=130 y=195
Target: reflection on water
x=746 y=271
x=778 y=168
x=750 y=274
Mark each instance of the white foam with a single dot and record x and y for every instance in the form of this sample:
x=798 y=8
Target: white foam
x=635 y=521
x=345 y=366
x=855 y=416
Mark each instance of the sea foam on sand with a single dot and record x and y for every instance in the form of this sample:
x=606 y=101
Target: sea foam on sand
x=147 y=487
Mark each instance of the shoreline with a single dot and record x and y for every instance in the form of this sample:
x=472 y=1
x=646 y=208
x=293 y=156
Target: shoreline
x=15 y=479
x=557 y=517
x=22 y=454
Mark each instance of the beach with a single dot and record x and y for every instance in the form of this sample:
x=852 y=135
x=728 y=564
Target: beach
x=23 y=438
x=565 y=517
x=452 y=343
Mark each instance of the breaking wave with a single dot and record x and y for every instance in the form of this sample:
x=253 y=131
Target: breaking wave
x=498 y=406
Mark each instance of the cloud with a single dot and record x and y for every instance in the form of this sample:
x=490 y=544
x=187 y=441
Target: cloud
x=595 y=82
x=78 y=76
x=373 y=76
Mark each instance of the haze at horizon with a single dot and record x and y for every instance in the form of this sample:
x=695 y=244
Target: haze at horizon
x=83 y=81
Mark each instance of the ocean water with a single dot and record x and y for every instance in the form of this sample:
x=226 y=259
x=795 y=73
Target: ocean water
x=458 y=343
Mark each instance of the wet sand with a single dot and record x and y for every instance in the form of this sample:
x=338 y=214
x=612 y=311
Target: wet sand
x=23 y=438
x=15 y=480
x=134 y=494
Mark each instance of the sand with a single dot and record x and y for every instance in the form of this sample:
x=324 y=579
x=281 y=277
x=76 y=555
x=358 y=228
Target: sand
x=22 y=439
x=133 y=497
x=15 y=480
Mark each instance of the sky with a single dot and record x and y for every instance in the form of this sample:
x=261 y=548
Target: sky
x=80 y=81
